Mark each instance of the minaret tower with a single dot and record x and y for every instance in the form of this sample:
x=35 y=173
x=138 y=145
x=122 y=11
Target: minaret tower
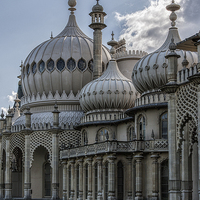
x=97 y=25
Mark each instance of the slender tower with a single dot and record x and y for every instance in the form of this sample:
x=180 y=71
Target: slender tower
x=97 y=25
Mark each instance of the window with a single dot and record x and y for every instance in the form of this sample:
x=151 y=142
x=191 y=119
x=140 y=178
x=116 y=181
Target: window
x=41 y=66
x=69 y=175
x=164 y=180
x=34 y=68
x=27 y=69
x=47 y=177
x=95 y=180
x=91 y=65
x=131 y=133
x=86 y=181
x=77 y=181
x=71 y=64
x=60 y=64
x=50 y=65
x=120 y=181
x=164 y=126
x=142 y=127
x=81 y=64
x=103 y=134
x=106 y=180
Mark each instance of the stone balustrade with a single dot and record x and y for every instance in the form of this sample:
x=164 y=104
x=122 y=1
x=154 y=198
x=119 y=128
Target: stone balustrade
x=130 y=53
x=151 y=98
x=185 y=73
x=158 y=145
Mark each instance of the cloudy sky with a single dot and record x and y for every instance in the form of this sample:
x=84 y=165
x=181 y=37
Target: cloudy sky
x=26 y=23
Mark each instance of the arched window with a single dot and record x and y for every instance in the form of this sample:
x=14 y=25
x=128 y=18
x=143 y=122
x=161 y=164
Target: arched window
x=95 y=180
x=164 y=180
x=164 y=126
x=142 y=127
x=34 y=66
x=120 y=181
x=86 y=181
x=77 y=181
x=131 y=133
x=106 y=180
x=47 y=177
x=103 y=134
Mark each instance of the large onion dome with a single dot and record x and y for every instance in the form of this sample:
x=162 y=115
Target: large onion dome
x=61 y=65
x=110 y=91
x=150 y=72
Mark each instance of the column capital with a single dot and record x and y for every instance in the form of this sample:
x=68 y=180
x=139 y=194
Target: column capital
x=112 y=157
x=26 y=131
x=55 y=130
x=72 y=161
x=155 y=156
x=139 y=157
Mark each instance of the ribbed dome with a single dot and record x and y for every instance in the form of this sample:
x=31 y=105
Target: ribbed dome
x=111 y=91
x=63 y=63
x=150 y=72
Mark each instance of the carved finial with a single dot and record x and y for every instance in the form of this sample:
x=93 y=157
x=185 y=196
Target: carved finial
x=72 y=4
x=51 y=35
x=185 y=61
x=21 y=64
x=56 y=106
x=97 y=1
x=2 y=114
x=172 y=45
x=112 y=43
x=173 y=7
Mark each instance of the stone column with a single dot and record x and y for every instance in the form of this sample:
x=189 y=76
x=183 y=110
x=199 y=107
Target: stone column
x=8 y=181
x=65 y=177
x=111 y=177
x=186 y=183
x=27 y=170
x=72 y=180
x=129 y=177
x=89 y=179
x=80 y=179
x=99 y=161
x=55 y=154
x=1 y=168
x=174 y=156
x=138 y=165
x=155 y=185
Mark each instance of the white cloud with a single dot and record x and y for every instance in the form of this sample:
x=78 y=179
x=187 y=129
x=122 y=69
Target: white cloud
x=12 y=97
x=147 y=29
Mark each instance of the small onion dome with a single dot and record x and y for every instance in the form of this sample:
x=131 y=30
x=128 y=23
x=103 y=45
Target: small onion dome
x=150 y=72
x=111 y=91
x=97 y=7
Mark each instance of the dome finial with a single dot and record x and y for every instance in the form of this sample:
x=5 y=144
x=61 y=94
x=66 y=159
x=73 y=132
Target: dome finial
x=72 y=4
x=173 y=7
x=185 y=61
x=51 y=35
x=112 y=43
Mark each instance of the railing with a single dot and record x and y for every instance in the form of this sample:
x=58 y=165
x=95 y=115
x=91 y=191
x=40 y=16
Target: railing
x=130 y=53
x=159 y=145
x=151 y=98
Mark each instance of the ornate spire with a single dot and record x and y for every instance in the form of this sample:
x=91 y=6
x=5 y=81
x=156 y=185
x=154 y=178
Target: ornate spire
x=51 y=37
x=173 y=7
x=112 y=43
